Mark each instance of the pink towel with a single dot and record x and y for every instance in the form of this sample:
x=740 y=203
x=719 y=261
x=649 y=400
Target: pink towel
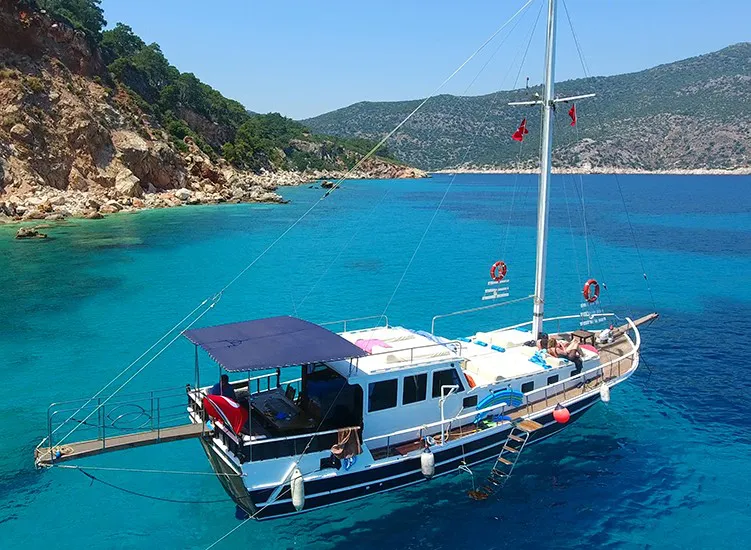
x=369 y=344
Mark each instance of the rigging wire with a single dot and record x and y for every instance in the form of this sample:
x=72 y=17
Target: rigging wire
x=139 y=371
x=451 y=182
x=574 y=255
x=604 y=297
x=215 y=298
x=617 y=180
x=409 y=116
x=521 y=144
x=451 y=111
x=584 y=211
x=155 y=344
x=362 y=224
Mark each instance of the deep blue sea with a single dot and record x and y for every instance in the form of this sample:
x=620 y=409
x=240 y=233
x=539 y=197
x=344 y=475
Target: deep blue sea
x=666 y=464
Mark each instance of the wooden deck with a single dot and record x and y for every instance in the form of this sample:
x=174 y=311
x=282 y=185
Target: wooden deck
x=93 y=447
x=617 y=351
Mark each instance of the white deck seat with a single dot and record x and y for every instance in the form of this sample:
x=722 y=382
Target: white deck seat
x=505 y=338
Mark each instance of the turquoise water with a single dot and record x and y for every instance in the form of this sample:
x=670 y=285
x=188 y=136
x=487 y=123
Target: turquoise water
x=664 y=465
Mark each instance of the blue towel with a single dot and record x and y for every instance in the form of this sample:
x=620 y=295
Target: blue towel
x=539 y=359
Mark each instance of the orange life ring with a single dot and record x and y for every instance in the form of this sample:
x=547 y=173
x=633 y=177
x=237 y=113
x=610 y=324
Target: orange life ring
x=498 y=271
x=591 y=291
x=470 y=380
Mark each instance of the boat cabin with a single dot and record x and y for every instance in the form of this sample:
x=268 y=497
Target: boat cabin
x=375 y=381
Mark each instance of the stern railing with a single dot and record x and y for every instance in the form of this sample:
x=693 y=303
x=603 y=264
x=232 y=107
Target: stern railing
x=102 y=418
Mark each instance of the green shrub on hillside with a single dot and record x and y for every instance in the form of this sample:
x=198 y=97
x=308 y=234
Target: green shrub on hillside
x=84 y=15
x=172 y=99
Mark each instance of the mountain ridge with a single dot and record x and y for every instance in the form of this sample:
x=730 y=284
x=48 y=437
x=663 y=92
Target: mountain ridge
x=655 y=119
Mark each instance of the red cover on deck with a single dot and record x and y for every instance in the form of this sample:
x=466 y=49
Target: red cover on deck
x=226 y=411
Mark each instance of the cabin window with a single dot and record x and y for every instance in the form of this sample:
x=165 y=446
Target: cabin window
x=382 y=395
x=448 y=377
x=528 y=386
x=552 y=379
x=415 y=388
x=470 y=401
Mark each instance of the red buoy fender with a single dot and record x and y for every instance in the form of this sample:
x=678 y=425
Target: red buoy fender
x=591 y=291
x=470 y=380
x=498 y=271
x=561 y=414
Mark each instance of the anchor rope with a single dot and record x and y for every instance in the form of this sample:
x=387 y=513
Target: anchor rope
x=94 y=478
x=144 y=471
x=263 y=253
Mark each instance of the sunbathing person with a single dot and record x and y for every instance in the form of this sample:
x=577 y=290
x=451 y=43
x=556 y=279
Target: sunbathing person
x=568 y=351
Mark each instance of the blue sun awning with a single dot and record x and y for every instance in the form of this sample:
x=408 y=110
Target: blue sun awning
x=270 y=343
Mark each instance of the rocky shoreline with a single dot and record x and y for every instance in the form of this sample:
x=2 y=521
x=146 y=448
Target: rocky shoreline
x=202 y=181
x=50 y=204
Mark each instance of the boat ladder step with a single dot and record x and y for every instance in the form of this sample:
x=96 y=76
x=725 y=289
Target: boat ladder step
x=529 y=426
x=501 y=471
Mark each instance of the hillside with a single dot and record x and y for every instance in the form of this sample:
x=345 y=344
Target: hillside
x=691 y=114
x=96 y=121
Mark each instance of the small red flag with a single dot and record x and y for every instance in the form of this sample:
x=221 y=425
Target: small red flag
x=520 y=131
x=572 y=114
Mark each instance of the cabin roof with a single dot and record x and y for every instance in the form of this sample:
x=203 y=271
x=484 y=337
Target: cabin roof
x=397 y=349
x=271 y=343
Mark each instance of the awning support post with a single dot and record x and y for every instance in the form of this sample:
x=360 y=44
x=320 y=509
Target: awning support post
x=250 y=424
x=198 y=379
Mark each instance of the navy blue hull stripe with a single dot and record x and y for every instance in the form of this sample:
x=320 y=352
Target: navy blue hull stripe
x=407 y=472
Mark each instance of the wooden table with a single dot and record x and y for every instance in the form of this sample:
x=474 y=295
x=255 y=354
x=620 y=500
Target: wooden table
x=281 y=413
x=583 y=336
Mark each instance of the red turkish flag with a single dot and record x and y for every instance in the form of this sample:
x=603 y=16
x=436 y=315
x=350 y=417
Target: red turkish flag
x=520 y=131
x=572 y=114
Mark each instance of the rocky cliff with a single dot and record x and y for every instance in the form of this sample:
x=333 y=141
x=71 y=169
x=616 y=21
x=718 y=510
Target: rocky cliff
x=75 y=142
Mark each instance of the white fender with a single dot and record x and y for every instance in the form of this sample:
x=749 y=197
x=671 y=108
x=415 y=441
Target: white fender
x=605 y=393
x=427 y=463
x=297 y=488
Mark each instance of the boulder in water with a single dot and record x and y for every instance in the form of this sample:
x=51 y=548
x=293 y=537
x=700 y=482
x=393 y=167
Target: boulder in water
x=30 y=233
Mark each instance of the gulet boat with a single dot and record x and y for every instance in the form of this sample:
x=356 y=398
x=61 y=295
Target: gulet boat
x=313 y=415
